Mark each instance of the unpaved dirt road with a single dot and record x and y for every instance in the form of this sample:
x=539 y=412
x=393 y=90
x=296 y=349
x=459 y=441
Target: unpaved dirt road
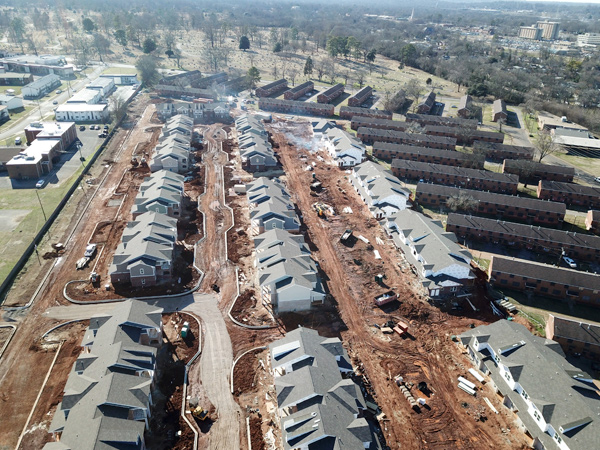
x=214 y=368
x=428 y=356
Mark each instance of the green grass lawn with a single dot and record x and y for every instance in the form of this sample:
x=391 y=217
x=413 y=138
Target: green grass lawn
x=17 y=89
x=14 y=117
x=539 y=308
x=14 y=242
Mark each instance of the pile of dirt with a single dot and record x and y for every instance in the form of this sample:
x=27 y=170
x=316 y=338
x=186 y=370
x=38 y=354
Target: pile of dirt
x=257 y=441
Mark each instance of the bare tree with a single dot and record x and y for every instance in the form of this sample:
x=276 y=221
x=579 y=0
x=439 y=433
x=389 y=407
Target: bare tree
x=321 y=69
x=525 y=169
x=461 y=202
x=292 y=74
x=413 y=90
x=360 y=78
x=545 y=145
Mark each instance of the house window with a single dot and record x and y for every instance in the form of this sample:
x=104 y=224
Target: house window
x=143 y=281
x=141 y=271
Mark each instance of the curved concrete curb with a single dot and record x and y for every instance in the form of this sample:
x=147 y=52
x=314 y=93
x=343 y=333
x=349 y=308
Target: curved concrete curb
x=237 y=322
x=234 y=320
x=56 y=327
x=185 y=380
x=240 y=357
x=5 y=346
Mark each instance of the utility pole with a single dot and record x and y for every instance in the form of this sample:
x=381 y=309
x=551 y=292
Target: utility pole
x=41 y=206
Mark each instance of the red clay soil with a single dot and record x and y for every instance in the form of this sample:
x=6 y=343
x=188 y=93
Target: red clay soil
x=37 y=434
x=166 y=420
x=426 y=354
x=256 y=436
x=245 y=373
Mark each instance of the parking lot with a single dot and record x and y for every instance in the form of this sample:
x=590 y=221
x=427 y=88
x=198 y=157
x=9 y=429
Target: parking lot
x=66 y=166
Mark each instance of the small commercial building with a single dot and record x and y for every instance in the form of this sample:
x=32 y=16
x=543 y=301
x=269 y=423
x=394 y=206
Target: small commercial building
x=82 y=112
x=121 y=79
x=104 y=85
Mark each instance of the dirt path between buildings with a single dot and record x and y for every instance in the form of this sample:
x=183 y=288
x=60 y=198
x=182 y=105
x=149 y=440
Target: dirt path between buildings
x=427 y=355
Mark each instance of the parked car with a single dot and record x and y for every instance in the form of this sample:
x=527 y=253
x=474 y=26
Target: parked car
x=55 y=102
x=570 y=262
x=58 y=91
x=40 y=184
x=90 y=250
x=82 y=128
x=18 y=140
x=597 y=179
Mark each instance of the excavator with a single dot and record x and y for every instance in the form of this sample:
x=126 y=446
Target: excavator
x=199 y=413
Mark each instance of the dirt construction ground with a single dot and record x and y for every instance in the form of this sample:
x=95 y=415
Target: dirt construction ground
x=452 y=418
x=19 y=382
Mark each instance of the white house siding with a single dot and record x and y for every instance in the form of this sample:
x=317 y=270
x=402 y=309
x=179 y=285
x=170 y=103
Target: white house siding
x=293 y=298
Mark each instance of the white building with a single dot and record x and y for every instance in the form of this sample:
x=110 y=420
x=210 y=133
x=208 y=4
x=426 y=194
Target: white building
x=41 y=86
x=126 y=79
x=588 y=39
x=102 y=84
x=443 y=266
x=82 y=112
x=88 y=96
x=383 y=193
x=555 y=402
x=343 y=147
x=11 y=102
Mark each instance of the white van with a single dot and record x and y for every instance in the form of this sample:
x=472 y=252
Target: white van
x=18 y=140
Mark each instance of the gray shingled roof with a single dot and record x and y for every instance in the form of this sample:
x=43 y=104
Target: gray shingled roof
x=578 y=330
x=547 y=378
x=524 y=233
x=327 y=405
x=437 y=248
x=378 y=184
x=491 y=197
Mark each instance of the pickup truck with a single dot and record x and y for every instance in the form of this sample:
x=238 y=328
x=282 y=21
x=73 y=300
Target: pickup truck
x=82 y=262
x=90 y=250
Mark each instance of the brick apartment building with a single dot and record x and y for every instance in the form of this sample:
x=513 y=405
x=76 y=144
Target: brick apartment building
x=569 y=193
x=576 y=338
x=275 y=87
x=427 y=105
x=465 y=136
x=465 y=106
x=522 y=209
x=441 y=121
x=298 y=91
x=499 y=152
x=295 y=107
x=456 y=176
x=545 y=280
x=387 y=151
x=499 y=111
x=361 y=96
x=164 y=90
x=370 y=135
x=539 y=171
x=592 y=221
x=372 y=121
x=515 y=235
x=331 y=94
x=350 y=112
